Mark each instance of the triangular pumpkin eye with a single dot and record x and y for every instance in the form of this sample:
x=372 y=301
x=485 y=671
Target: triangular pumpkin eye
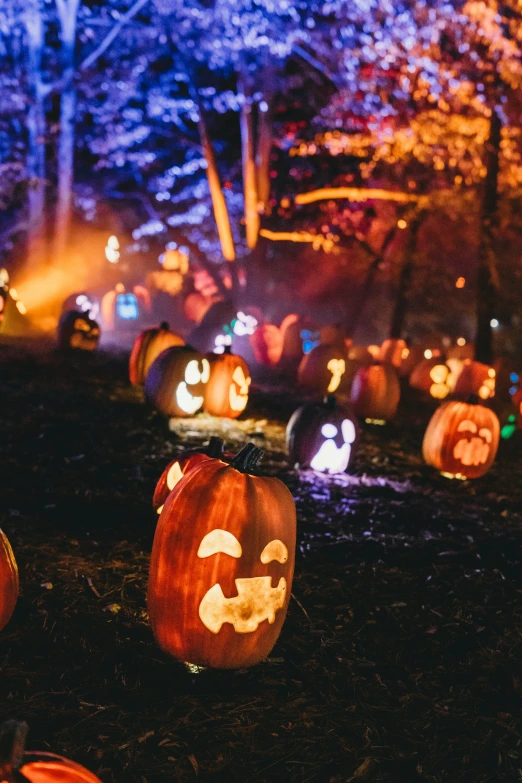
x=239 y=376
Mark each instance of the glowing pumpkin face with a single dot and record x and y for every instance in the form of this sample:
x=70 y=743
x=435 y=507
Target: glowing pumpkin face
x=77 y=330
x=222 y=565
x=322 y=436
x=461 y=440
x=226 y=393
x=176 y=381
x=476 y=379
x=127 y=307
x=8 y=581
x=323 y=369
x=147 y=347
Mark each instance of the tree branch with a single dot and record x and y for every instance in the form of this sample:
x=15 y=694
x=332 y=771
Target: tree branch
x=91 y=59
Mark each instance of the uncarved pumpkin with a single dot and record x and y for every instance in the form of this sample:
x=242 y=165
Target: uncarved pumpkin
x=222 y=565
x=322 y=436
x=461 y=439
x=34 y=767
x=226 y=393
x=376 y=392
x=176 y=380
x=322 y=370
x=147 y=347
x=8 y=581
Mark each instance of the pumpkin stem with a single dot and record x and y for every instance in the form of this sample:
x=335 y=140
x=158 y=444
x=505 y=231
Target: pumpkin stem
x=227 y=349
x=215 y=448
x=474 y=399
x=164 y=326
x=329 y=401
x=247 y=458
x=13 y=734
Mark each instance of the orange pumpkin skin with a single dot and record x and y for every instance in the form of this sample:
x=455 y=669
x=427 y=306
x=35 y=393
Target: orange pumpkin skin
x=432 y=376
x=8 y=581
x=323 y=370
x=376 y=392
x=267 y=344
x=226 y=393
x=147 y=347
x=256 y=511
x=476 y=379
x=392 y=351
x=461 y=439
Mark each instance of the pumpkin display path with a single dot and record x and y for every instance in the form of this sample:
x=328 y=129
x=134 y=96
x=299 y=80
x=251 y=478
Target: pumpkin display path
x=401 y=655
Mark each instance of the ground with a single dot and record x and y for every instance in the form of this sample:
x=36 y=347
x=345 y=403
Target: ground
x=400 y=659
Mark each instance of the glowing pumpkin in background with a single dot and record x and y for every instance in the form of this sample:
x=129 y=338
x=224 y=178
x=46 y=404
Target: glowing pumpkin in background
x=18 y=766
x=322 y=370
x=76 y=330
x=222 y=564
x=175 y=383
x=393 y=352
x=461 y=440
x=476 y=379
x=147 y=347
x=176 y=469
x=267 y=344
x=226 y=393
x=8 y=581
x=120 y=307
x=322 y=436
x=376 y=393
x=433 y=377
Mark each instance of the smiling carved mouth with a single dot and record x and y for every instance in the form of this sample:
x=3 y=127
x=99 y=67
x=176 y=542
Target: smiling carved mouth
x=256 y=601
x=186 y=401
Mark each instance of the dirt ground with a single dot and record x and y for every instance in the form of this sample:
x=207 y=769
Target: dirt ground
x=400 y=659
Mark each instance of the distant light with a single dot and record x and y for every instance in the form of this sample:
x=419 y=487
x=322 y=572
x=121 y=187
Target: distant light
x=14 y=294
x=405 y=353
x=461 y=341
x=491 y=372
x=513 y=377
x=461 y=282
x=493 y=323
x=4 y=276
x=21 y=308
x=401 y=223
x=112 y=250
x=513 y=390
x=428 y=354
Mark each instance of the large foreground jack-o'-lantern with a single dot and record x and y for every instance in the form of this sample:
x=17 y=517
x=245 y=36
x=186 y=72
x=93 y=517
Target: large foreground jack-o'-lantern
x=461 y=440
x=8 y=581
x=322 y=436
x=222 y=564
x=176 y=381
x=18 y=766
x=180 y=466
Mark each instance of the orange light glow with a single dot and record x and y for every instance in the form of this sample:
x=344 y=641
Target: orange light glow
x=461 y=282
x=401 y=224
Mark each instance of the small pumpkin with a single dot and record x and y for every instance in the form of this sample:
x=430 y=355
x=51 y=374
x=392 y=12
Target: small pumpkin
x=226 y=393
x=322 y=436
x=176 y=469
x=175 y=383
x=147 y=347
x=76 y=330
x=477 y=379
x=461 y=439
x=18 y=766
x=394 y=352
x=9 y=584
x=376 y=392
x=323 y=369
x=433 y=377
x=267 y=344
x=222 y=564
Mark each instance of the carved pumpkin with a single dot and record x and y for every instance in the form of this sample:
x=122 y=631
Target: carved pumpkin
x=120 y=307
x=17 y=766
x=180 y=466
x=175 y=383
x=393 y=352
x=461 y=439
x=434 y=377
x=376 y=393
x=322 y=436
x=226 y=393
x=8 y=581
x=267 y=344
x=76 y=330
x=147 y=347
x=222 y=565
x=476 y=379
x=322 y=370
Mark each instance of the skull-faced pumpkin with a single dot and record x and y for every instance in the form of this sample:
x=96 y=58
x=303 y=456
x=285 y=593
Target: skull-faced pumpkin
x=226 y=393
x=77 y=330
x=147 y=347
x=176 y=381
x=8 y=581
x=35 y=767
x=461 y=440
x=222 y=567
x=322 y=436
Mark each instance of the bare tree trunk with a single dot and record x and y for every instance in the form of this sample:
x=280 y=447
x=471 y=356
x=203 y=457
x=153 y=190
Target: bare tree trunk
x=246 y=122
x=486 y=292
x=264 y=149
x=399 y=311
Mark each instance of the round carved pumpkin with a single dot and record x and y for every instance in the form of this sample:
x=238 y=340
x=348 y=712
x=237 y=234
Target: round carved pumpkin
x=176 y=380
x=226 y=393
x=8 y=581
x=222 y=564
x=322 y=436
x=18 y=766
x=176 y=469
x=476 y=379
x=433 y=377
x=147 y=347
x=267 y=344
x=461 y=439
x=376 y=392
x=77 y=330
x=322 y=370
